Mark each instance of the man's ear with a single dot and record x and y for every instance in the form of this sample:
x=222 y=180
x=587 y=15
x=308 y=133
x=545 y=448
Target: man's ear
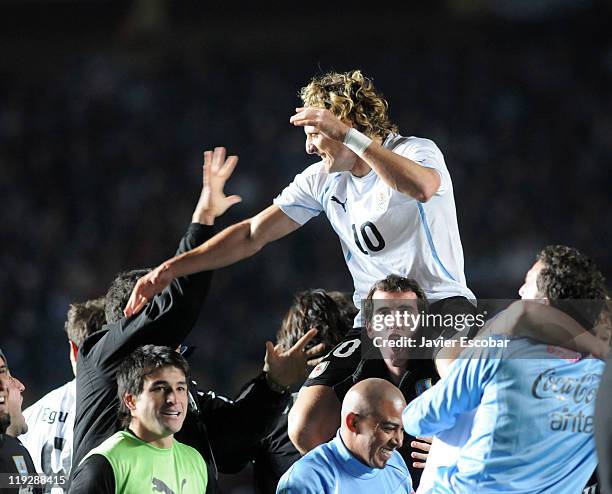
x=130 y=401
x=352 y=420
x=370 y=330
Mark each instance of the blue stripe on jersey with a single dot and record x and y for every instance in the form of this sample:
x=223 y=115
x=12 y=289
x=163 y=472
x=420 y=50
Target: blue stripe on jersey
x=430 y=240
x=348 y=256
x=303 y=207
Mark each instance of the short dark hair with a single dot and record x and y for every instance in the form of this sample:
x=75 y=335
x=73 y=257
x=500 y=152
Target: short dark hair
x=314 y=309
x=394 y=284
x=83 y=319
x=119 y=293
x=572 y=282
x=137 y=366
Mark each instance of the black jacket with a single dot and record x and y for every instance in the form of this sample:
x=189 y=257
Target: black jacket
x=166 y=320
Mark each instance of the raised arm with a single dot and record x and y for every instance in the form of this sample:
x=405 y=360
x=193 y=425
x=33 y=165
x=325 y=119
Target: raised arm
x=530 y=319
x=170 y=316
x=233 y=244
x=398 y=172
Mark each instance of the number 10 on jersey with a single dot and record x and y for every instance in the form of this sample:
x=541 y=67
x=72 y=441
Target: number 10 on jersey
x=370 y=236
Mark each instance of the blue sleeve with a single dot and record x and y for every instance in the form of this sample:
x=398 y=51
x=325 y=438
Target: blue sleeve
x=437 y=408
x=301 y=478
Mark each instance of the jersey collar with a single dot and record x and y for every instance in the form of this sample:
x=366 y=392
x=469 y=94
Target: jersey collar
x=348 y=462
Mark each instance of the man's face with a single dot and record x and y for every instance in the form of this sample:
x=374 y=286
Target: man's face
x=529 y=290
x=380 y=434
x=11 y=399
x=335 y=155
x=159 y=411
x=395 y=315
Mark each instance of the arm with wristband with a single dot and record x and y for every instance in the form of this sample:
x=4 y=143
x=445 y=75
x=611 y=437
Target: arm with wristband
x=398 y=172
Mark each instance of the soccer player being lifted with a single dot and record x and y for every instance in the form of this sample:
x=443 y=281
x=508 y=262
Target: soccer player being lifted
x=389 y=198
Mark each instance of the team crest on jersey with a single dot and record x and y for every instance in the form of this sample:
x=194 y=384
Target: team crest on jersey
x=382 y=200
x=319 y=369
x=422 y=385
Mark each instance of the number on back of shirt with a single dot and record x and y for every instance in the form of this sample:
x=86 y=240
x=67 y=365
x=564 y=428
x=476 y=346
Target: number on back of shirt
x=370 y=236
x=346 y=348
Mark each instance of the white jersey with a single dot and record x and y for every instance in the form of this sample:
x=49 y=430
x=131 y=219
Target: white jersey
x=50 y=426
x=383 y=231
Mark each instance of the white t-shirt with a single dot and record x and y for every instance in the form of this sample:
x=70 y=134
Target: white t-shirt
x=383 y=231
x=50 y=426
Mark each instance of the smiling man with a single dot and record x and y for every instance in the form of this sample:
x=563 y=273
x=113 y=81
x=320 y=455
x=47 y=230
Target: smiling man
x=319 y=402
x=14 y=458
x=362 y=458
x=145 y=457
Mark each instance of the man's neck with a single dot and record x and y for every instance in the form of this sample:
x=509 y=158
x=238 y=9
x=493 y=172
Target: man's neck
x=162 y=442
x=396 y=372
x=361 y=168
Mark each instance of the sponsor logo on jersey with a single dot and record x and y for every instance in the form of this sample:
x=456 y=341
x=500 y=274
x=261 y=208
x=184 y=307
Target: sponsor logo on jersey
x=576 y=389
x=161 y=486
x=343 y=204
x=319 y=369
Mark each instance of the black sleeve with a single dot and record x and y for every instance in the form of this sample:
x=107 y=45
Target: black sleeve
x=168 y=318
x=93 y=476
x=339 y=364
x=236 y=427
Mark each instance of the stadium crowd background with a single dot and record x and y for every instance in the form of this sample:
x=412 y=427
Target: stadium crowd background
x=105 y=109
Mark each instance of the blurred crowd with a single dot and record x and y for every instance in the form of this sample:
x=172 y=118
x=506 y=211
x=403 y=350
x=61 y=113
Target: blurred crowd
x=100 y=163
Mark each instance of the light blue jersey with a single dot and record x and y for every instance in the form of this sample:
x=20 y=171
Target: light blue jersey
x=331 y=469
x=533 y=428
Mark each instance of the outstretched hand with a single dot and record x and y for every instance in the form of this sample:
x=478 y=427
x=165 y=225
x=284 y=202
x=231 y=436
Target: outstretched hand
x=216 y=171
x=147 y=287
x=292 y=366
x=212 y=203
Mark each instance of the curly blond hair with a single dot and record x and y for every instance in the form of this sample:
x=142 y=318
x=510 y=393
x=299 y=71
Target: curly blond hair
x=350 y=95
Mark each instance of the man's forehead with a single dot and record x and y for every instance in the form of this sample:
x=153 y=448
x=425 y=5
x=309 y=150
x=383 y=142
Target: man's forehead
x=384 y=300
x=536 y=268
x=170 y=374
x=380 y=295
x=309 y=129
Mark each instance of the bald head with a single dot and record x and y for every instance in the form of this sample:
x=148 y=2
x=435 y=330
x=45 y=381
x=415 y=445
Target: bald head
x=371 y=426
x=366 y=397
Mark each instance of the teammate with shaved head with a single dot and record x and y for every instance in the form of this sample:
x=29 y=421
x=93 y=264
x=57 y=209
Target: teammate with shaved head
x=362 y=458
